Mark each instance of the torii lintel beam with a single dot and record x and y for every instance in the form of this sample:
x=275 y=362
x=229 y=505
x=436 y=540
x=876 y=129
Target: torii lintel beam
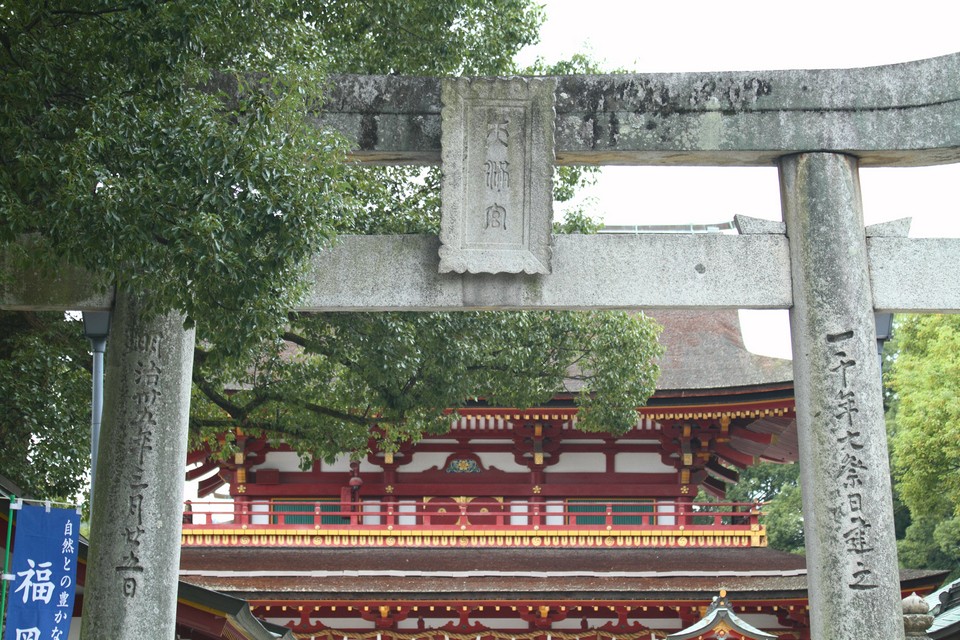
x=895 y=115
x=590 y=272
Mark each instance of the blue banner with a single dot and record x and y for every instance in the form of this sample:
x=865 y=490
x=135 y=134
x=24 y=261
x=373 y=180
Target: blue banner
x=44 y=574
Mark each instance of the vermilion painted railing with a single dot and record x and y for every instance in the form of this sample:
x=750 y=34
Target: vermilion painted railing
x=472 y=514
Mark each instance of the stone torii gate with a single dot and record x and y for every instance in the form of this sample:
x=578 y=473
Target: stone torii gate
x=499 y=139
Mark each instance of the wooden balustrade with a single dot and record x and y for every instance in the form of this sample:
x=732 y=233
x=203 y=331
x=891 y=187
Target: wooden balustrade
x=473 y=514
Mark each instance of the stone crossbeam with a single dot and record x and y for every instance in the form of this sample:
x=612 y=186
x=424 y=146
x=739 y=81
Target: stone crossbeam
x=596 y=272
x=590 y=272
x=896 y=115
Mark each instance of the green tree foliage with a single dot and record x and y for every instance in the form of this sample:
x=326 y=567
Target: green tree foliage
x=925 y=378
x=162 y=145
x=399 y=371
x=44 y=403
x=778 y=487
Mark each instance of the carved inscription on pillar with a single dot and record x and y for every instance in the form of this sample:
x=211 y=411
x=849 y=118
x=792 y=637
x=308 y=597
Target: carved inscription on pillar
x=854 y=522
x=146 y=383
x=497 y=188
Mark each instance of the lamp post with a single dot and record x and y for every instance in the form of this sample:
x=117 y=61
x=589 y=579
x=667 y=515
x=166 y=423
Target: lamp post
x=96 y=327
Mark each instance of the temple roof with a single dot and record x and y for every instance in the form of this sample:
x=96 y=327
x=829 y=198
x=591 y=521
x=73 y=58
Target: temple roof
x=705 y=350
x=511 y=573
x=945 y=607
x=719 y=621
x=704 y=355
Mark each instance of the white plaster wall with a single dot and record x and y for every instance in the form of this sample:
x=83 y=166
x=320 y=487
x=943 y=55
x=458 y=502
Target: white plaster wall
x=282 y=621
x=346 y=623
x=259 y=507
x=519 y=506
x=282 y=460
x=669 y=624
x=493 y=623
x=569 y=624
x=666 y=520
x=579 y=462
x=423 y=460
x=373 y=506
x=342 y=464
x=638 y=462
x=406 y=506
x=213 y=511
x=760 y=620
x=503 y=461
x=553 y=506
x=431 y=623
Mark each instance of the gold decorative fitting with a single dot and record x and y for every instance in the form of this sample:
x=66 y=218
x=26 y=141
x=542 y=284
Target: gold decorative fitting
x=388 y=488
x=388 y=457
x=537 y=489
x=538 y=458
x=684 y=489
x=241 y=488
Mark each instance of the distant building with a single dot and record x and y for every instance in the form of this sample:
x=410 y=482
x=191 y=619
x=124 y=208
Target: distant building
x=516 y=525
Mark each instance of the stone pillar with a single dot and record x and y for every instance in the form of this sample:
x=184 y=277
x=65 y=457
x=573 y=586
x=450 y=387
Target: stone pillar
x=132 y=569
x=844 y=471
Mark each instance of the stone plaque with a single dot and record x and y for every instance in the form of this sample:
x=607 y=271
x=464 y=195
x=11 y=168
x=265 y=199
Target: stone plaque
x=497 y=188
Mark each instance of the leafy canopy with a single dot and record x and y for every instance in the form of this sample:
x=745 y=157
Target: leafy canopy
x=399 y=371
x=162 y=146
x=925 y=378
x=44 y=403
x=138 y=146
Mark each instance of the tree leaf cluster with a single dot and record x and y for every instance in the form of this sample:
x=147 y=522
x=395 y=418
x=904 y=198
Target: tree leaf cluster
x=162 y=146
x=924 y=376
x=344 y=377
x=44 y=403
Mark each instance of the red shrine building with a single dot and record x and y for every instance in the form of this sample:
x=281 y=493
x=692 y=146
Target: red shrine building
x=515 y=525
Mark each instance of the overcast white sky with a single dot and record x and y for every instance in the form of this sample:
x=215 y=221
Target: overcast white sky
x=701 y=35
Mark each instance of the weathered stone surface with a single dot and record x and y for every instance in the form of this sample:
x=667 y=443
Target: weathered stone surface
x=907 y=275
x=497 y=189
x=26 y=286
x=847 y=506
x=894 y=115
x=390 y=119
x=132 y=569
x=898 y=228
x=748 y=225
x=589 y=272
x=915 y=275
